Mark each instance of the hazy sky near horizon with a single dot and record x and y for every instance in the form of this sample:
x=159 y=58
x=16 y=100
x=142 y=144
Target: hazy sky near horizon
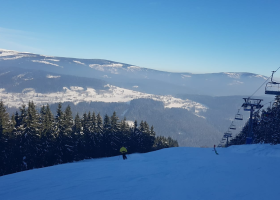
x=198 y=36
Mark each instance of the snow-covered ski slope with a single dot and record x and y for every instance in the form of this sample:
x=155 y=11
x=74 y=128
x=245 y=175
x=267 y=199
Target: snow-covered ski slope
x=239 y=172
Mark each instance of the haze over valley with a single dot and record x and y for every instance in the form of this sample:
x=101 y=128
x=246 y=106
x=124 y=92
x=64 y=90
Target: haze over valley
x=194 y=109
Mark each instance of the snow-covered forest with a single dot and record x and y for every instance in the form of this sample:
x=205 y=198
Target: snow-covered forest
x=30 y=139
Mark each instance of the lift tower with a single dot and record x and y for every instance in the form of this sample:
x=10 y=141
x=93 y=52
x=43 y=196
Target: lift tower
x=251 y=105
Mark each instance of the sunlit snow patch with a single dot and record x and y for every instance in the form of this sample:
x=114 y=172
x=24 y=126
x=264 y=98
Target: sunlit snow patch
x=50 y=76
x=133 y=68
x=46 y=62
x=260 y=76
x=55 y=60
x=110 y=94
x=4 y=73
x=185 y=76
x=233 y=75
x=113 y=67
x=78 y=62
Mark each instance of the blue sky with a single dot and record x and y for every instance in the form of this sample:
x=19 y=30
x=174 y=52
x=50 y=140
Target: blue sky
x=198 y=36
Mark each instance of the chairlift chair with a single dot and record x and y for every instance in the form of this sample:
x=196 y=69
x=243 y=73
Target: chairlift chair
x=272 y=87
x=228 y=133
x=232 y=126
x=247 y=107
x=238 y=116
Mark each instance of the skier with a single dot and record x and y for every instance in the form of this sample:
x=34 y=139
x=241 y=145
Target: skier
x=123 y=150
x=215 y=149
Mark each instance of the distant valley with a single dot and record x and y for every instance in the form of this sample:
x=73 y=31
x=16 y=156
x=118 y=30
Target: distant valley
x=195 y=109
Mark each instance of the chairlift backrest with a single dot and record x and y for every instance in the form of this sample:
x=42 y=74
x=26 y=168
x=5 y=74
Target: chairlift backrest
x=232 y=127
x=272 y=87
x=238 y=117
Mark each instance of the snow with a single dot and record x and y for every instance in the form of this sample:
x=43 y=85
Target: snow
x=51 y=76
x=55 y=60
x=232 y=75
x=106 y=76
x=4 y=73
x=112 y=93
x=112 y=68
x=78 y=62
x=130 y=123
x=46 y=62
x=261 y=76
x=13 y=55
x=241 y=172
x=235 y=82
x=133 y=68
x=186 y=76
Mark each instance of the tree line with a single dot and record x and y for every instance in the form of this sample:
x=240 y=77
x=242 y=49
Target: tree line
x=266 y=126
x=33 y=139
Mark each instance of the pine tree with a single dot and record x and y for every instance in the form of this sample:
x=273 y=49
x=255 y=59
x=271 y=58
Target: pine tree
x=4 y=118
x=59 y=136
x=30 y=138
x=106 y=139
x=78 y=136
x=116 y=135
x=48 y=137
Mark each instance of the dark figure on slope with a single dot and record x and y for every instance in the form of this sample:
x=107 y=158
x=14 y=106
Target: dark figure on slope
x=123 y=151
x=215 y=149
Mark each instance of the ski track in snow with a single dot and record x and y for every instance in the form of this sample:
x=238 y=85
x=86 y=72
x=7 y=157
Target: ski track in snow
x=247 y=172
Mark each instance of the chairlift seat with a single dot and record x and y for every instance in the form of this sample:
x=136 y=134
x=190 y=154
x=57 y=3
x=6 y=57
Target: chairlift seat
x=272 y=92
x=239 y=117
x=272 y=88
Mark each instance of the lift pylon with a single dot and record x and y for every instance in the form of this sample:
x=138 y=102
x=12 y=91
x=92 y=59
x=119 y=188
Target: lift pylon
x=251 y=105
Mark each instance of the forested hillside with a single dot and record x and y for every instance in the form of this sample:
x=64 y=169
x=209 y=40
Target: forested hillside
x=32 y=139
x=266 y=126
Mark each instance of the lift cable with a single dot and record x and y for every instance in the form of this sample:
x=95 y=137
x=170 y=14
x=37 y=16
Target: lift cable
x=256 y=92
x=263 y=83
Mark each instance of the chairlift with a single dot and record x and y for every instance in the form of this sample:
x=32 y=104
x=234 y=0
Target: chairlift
x=238 y=116
x=228 y=133
x=251 y=104
x=247 y=107
x=232 y=126
x=272 y=87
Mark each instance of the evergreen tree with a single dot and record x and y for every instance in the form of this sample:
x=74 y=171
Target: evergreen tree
x=32 y=140
x=106 y=139
x=48 y=137
x=4 y=118
x=78 y=136
x=116 y=137
x=60 y=147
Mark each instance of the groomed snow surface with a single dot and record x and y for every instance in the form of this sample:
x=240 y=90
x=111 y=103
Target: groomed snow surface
x=239 y=172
